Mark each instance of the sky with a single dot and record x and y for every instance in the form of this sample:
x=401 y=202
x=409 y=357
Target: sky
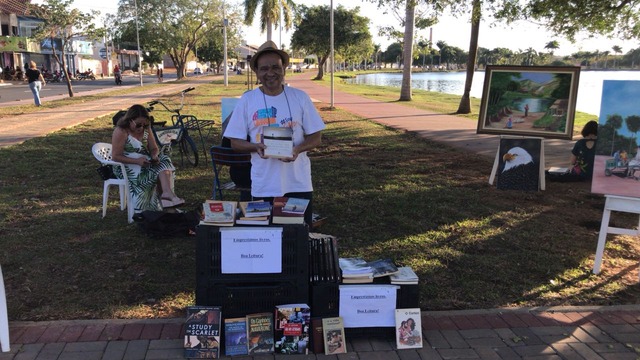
x=454 y=31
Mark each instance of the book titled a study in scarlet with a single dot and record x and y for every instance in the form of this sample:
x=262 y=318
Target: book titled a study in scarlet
x=278 y=142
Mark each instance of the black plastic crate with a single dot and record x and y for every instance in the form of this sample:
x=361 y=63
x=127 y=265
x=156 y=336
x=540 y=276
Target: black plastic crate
x=324 y=299
x=238 y=301
x=408 y=297
x=294 y=258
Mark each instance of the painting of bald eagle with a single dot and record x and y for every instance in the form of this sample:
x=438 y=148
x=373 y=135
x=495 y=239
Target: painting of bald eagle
x=519 y=164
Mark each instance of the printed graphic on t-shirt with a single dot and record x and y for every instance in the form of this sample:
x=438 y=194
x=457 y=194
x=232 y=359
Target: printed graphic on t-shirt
x=269 y=117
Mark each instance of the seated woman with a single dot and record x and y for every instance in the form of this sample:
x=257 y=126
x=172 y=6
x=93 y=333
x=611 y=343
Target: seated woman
x=134 y=145
x=582 y=156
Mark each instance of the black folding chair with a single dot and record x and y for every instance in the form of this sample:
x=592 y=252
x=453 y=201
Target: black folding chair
x=221 y=157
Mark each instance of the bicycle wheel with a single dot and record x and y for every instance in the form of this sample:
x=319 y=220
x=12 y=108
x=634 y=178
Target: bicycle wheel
x=189 y=149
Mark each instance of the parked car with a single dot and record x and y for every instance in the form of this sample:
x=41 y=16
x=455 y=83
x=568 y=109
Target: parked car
x=197 y=71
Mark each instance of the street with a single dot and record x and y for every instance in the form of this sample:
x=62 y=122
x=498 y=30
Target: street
x=12 y=92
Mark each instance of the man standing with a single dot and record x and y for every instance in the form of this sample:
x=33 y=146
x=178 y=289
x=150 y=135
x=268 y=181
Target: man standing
x=276 y=105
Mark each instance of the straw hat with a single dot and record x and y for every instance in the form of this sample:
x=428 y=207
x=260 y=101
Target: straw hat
x=268 y=46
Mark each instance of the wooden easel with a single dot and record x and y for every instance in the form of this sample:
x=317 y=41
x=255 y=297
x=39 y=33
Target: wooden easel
x=615 y=203
x=496 y=162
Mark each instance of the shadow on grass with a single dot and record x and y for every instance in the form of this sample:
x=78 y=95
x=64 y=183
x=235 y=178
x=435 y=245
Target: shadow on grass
x=386 y=193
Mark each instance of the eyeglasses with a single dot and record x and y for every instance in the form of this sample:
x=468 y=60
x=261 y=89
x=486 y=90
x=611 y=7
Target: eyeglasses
x=138 y=126
x=274 y=68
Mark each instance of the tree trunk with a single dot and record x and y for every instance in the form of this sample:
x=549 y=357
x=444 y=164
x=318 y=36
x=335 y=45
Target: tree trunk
x=270 y=30
x=407 y=51
x=465 y=101
x=62 y=63
x=321 y=63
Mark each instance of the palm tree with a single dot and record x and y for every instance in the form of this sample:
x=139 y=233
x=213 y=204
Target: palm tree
x=465 y=102
x=618 y=50
x=407 y=51
x=270 y=14
x=615 y=122
x=552 y=46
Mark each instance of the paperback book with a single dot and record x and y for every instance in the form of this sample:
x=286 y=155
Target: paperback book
x=354 y=267
x=219 y=213
x=280 y=217
x=408 y=328
x=295 y=206
x=260 y=333
x=334 y=337
x=278 y=142
x=255 y=208
x=235 y=336
x=292 y=328
x=202 y=332
x=404 y=276
x=382 y=267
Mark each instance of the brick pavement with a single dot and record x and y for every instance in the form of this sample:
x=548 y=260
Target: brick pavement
x=532 y=333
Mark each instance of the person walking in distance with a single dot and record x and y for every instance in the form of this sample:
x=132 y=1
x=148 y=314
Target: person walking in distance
x=36 y=81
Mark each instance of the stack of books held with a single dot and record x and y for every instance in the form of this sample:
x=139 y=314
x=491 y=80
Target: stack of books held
x=359 y=271
x=404 y=276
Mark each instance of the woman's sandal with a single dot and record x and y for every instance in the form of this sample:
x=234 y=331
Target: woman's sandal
x=171 y=202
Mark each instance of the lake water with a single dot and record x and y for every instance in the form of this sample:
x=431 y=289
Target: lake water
x=589 y=87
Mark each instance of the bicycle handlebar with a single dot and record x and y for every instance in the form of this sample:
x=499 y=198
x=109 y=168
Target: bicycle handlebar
x=176 y=111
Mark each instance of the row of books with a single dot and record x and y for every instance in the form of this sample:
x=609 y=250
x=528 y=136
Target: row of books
x=286 y=331
x=285 y=210
x=359 y=271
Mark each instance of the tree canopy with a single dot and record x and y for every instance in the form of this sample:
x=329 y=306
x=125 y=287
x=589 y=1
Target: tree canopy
x=568 y=18
x=61 y=21
x=172 y=27
x=312 y=34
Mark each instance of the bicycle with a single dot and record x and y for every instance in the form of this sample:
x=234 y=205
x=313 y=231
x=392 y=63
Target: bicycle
x=167 y=136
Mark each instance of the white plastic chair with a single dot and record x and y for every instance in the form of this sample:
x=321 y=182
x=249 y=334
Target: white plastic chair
x=102 y=153
x=4 y=317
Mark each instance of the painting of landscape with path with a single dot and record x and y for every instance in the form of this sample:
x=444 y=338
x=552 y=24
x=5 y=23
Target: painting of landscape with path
x=529 y=100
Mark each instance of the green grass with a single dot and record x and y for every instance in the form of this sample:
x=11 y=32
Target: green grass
x=386 y=193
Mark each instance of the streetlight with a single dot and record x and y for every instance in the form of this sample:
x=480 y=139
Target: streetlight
x=224 y=68
x=332 y=54
x=135 y=4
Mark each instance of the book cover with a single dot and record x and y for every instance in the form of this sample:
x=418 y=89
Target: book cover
x=295 y=206
x=354 y=267
x=405 y=275
x=219 y=212
x=317 y=339
x=278 y=141
x=408 y=328
x=292 y=328
x=202 y=332
x=382 y=267
x=334 y=337
x=280 y=217
x=255 y=208
x=260 y=333
x=235 y=336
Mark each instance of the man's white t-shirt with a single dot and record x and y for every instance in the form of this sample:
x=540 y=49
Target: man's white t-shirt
x=291 y=108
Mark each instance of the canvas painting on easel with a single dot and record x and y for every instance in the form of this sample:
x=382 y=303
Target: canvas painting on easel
x=616 y=169
x=519 y=164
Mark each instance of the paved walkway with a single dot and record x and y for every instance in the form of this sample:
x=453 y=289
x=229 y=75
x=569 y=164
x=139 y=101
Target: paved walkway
x=538 y=333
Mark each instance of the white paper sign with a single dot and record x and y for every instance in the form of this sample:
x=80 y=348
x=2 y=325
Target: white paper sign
x=368 y=305
x=251 y=250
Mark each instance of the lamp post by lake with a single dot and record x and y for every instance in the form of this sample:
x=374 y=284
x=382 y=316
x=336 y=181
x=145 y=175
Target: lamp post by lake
x=332 y=53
